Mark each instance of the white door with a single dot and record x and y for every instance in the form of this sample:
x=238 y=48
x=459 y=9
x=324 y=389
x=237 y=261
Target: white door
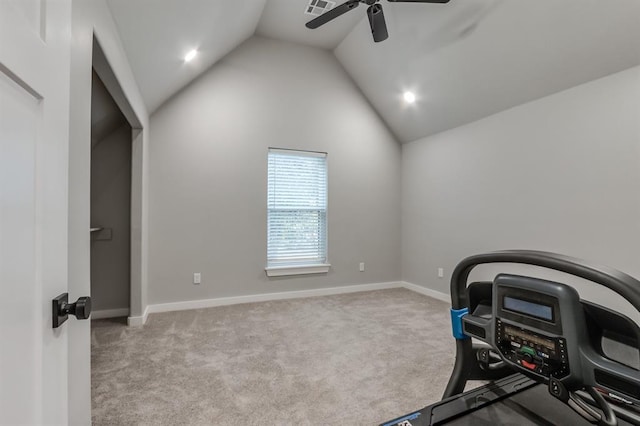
x=35 y=41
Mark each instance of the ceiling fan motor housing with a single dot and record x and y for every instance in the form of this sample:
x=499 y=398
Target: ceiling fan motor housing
x=377 y=23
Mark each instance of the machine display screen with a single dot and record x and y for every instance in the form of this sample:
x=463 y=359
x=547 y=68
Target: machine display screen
x=528 y=308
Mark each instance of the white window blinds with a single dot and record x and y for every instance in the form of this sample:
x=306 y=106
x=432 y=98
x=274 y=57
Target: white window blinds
x=297 y=208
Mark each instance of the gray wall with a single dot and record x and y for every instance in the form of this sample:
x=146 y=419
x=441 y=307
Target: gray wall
x=208 y=171
x=560 y=174
x=111 y=209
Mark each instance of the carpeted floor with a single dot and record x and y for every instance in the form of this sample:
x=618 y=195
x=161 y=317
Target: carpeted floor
x=356 y=359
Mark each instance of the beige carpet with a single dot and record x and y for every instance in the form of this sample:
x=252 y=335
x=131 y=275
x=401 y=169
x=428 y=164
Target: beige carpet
x=355 y=359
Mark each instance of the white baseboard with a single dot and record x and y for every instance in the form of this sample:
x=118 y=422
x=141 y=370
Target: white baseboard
x=427 y=291
x=224 y=301
x=139 y=321
x=110 y=313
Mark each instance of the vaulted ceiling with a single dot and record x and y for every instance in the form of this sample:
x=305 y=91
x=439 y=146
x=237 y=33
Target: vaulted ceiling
x=106 y=117
x=464 y=60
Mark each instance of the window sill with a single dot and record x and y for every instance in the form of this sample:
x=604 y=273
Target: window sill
x=282 y=271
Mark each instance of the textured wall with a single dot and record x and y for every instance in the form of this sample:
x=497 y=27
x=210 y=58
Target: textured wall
x=208 y=174
x=560 y=174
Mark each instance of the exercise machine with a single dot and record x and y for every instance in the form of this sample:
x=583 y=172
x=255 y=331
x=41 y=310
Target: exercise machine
x=550 y=357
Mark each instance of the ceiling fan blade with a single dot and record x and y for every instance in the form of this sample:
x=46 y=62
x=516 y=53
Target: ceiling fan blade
x=377 y=23
x=419 y=1
x=333 y=14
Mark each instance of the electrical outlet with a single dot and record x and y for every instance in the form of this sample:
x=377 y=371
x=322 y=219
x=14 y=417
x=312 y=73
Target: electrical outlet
x=440 y=272
x=361 y=266
x=197 y=278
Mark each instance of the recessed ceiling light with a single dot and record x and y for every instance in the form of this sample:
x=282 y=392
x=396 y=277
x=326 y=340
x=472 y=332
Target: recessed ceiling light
x=409 y=97
x=189 y=56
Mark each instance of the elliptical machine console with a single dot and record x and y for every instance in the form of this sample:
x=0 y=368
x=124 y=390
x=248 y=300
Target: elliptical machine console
x=529 y=329
x=540 y=343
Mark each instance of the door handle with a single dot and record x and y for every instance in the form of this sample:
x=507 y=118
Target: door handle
x=62 y=309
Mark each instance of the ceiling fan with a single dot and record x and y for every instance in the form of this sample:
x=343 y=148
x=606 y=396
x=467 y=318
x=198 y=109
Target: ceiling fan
x=374 y=13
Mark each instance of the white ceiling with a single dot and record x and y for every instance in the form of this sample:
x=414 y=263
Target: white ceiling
x=520 y=51
x=158 y=33
x=464 y=60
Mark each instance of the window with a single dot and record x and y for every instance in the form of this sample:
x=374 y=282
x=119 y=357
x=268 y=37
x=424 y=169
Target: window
x=297 y=212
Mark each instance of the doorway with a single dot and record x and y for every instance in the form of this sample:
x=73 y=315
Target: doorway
x=111 y=141
x=117 y=115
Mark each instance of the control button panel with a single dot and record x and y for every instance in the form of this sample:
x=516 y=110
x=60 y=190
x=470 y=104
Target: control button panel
x=544 y=355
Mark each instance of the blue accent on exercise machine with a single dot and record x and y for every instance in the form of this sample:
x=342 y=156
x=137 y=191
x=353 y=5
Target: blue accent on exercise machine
x=456 y=322
x=402 y=419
